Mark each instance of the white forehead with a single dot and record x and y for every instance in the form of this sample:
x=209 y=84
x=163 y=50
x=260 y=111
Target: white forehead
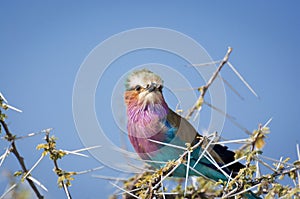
x=142 y=78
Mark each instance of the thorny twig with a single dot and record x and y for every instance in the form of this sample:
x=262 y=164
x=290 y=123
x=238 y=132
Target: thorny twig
x=11 y=138
x=203 y=89
x=54 y=155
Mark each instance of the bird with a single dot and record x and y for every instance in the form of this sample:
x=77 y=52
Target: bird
x=154 y=129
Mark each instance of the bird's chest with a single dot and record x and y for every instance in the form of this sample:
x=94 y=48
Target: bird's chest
x=143 y=131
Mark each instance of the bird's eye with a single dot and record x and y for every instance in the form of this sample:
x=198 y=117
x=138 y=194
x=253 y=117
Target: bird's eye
x=147 y=86
x=137 y=88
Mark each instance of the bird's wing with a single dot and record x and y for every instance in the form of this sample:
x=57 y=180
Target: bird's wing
x=187 y=133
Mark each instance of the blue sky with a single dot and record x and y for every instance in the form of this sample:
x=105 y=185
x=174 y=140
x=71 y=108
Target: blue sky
x=43 y=44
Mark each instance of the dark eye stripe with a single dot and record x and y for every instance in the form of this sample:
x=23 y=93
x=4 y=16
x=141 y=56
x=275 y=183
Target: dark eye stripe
x=137 y=88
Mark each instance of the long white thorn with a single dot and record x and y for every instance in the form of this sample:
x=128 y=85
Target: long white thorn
x=124 y=190
x=231 y=87
x=74 y=153
x=155 y=161
x=167 y=144
x=274 y=160
x=30 y=170
x=268 y=122
x=4 y=155
x=219 y=110
x=89 y=170
x=241 y=192
x=12 y=108
x=109 y=178
x=216 y=165
x=230 y=163
x=66 y=190
x=229 y=180
x=8 y=190
x=258 y=174
x=2 y=96
x=37 y=183
x=131 y=191
x=187 y=172
x=86 y=149
x=203 y=152
x=242 y=79
x=279 y=163
x=239 y=141
x=34 y=134
x=199 y=173
x=207 y=64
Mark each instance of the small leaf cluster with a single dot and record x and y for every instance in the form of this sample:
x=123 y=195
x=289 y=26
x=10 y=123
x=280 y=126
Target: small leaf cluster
x=50 y=148
x=64 y=177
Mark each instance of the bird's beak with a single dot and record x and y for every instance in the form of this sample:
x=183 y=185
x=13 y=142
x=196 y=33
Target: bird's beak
x=152 y=87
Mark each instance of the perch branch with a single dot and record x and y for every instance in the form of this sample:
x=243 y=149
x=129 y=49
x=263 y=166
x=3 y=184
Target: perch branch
x=203 y=89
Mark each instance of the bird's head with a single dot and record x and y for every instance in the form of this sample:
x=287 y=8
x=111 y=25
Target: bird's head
x=143 y=87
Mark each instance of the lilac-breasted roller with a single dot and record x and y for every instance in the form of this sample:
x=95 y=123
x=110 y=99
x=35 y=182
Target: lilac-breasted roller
x=151 y=122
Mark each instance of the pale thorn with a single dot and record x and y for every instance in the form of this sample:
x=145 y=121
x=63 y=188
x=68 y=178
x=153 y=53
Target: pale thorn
x=258 y=173
x=8 y=190
x=124 y=190
x=2 y=96
x=162 y=189
x=230 y=117
x=274 y=160
x=205 y=149
x=265 y=164
x=4 y=155
x=127 y=153
x=87 y=148
x=229 y=180
x=239 y=141
x=89 y=170
x=210 y=158
x=109 y=178
x=231 y=87
x=12 y=108
x=230 y=163
x=140 y=168
x=171 y=193
x=268 y=122
x=187 y=172
x=37 y=183
x=279 y=163
x=170 y=172
x=197 y=114
x=35 y=164
x=66 y=190
x=199 y=173
x=207 y=63
x=74 y=153
x=178 y=110
x=33 y=134
x=167 y=144
x=155 y=161
x=229 y=194
x=132 y=190
x=241 y=192
x=178 y=162
x=242 y=79
x=219 y=110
